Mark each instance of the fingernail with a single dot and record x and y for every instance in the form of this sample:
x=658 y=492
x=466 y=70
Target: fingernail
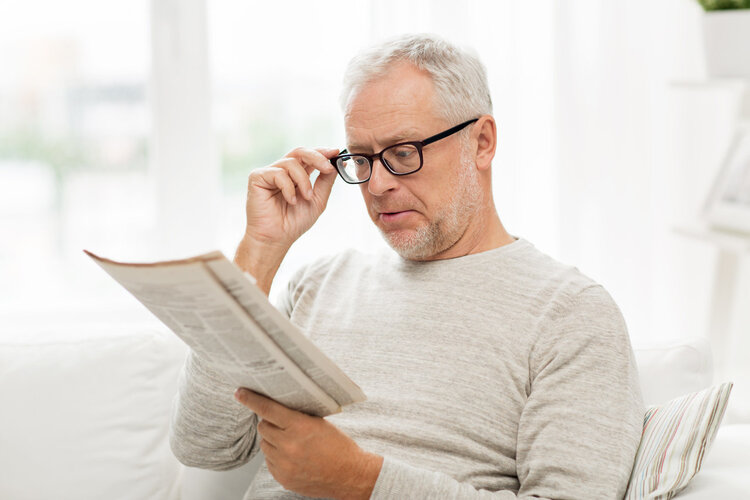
x=239 y=393
x=294 y=200
x=309 y=193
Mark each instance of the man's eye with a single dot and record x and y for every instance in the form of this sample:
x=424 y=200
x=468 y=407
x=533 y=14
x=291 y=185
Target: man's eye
x=360 y=161
x=404 y=152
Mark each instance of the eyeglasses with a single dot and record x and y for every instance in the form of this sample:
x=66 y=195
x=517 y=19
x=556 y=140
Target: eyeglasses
x=403 y=158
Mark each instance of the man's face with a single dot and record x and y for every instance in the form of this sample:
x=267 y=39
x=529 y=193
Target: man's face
x=424 y=213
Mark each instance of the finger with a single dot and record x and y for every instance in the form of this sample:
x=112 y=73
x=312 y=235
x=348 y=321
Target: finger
x=268 y=444
x=313 y=158
x=299 y=175
x=328 y=152
x=265 y=178
x=285 y=184
x=269 y=432
x=265 y=408
x=323 y=186
x=268 y=450
x=268 y=454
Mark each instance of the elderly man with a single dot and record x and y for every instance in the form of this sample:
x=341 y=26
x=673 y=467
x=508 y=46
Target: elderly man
x=492 y=370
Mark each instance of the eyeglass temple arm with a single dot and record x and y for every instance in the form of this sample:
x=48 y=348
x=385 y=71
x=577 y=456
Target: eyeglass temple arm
x=448 y=132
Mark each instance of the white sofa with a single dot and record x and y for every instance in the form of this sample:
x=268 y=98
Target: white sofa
x=85 y=412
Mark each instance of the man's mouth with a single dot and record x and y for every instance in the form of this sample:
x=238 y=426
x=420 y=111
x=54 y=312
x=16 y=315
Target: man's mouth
x=391 y=217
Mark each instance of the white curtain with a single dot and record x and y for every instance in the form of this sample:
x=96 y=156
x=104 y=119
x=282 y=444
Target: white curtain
x=515 y=42
x=608 y=138
x=640 y=134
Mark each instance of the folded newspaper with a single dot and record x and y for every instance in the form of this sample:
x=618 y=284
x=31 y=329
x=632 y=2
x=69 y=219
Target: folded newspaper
x=217 y=309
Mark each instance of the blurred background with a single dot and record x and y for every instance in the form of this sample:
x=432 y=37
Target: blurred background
x=129 y=128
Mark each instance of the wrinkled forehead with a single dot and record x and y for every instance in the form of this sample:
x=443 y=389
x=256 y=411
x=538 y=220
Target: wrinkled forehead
x=396 y=107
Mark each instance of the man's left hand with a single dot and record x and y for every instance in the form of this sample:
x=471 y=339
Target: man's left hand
x=309 y=455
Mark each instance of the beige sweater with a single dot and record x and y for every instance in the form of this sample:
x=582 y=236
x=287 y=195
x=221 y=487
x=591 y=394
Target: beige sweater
x=502 y=374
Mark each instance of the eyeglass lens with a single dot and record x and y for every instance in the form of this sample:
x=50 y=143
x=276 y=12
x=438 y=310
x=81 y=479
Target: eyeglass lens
x=402 y=159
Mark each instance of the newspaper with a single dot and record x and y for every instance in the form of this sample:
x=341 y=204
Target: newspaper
x=217 y=309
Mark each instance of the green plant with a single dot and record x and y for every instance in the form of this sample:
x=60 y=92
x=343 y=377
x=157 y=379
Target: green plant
x=724 y=4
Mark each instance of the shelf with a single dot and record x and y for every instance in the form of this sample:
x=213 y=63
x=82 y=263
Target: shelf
x=726 y=240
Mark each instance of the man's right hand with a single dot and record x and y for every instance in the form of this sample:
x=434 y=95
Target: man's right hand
x=281 y=205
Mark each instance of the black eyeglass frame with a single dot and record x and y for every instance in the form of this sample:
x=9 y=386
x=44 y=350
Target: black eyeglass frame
x=417 y=144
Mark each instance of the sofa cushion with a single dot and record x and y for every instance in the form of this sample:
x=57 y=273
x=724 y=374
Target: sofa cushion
x=671 y=369
x=85 y=413
x=676 y=437
x=726 y=471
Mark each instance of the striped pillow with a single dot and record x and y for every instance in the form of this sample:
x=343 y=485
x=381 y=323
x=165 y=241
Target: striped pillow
x=676 y=437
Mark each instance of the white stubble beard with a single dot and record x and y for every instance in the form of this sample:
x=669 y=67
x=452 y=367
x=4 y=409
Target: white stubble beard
x=449 y=224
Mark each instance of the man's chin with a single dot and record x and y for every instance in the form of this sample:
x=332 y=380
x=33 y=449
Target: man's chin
x=411 y=244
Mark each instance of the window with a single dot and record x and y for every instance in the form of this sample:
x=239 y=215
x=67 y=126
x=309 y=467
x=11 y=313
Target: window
x=92 y=157
x=74 y=141
x=275 y=86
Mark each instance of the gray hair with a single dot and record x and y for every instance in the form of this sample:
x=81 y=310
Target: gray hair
x=459 y=76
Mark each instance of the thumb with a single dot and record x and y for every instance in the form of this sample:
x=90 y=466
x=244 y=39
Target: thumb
x=323 y=186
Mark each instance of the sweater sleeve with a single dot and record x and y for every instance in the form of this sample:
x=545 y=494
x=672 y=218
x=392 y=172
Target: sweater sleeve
x=582 y=422
x=209 y=429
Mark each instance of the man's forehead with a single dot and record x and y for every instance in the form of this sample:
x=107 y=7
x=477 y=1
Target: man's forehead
x=398 y=106
x=363 y=140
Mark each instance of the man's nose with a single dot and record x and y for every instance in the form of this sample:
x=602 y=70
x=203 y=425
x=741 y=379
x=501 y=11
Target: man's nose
x=381 y=180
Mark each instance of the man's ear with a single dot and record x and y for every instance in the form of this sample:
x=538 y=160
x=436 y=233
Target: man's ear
x=485 y=131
